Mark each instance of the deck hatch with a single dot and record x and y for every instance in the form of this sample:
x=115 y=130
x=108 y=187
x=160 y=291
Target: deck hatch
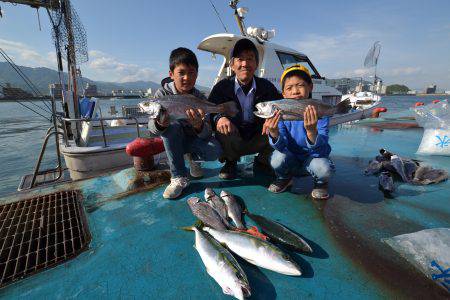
x=39 y=233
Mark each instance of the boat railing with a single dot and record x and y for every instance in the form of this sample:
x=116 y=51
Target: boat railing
x=64 y=120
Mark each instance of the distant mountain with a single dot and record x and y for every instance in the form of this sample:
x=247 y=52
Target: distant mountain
x=42 y=77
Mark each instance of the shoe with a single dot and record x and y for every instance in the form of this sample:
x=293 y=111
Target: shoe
x=195 y=168
x=176 y=187
x=280 y=185
x=229 y=170
x=320 y=191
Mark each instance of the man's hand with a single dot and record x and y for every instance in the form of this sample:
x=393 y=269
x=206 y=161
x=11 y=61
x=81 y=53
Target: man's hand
x=310 y=123
x=196 y=118
x=225 y=126
x=271 y=125
x=163 y=119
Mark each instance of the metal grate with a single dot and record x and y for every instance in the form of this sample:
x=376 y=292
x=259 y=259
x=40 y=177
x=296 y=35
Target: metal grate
x=39 y=233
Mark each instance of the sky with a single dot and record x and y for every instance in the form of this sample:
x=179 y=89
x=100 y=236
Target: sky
x=131 y=40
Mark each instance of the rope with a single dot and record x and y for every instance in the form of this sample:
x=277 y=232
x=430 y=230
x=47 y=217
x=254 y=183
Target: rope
x=28 y=82
x=218 y=16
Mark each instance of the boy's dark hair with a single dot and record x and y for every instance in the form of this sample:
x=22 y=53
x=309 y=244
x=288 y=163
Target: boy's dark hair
x=182 y=56
x=299 y=74
x=242 y=45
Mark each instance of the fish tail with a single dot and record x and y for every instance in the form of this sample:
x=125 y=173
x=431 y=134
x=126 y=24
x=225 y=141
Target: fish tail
x=228 y=108
x=187 y=228
x=198 y=224
x=343 y=107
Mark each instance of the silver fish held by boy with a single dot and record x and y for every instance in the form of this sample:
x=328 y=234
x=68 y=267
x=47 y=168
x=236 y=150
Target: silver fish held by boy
x=234 y=209
x=294 y=109
x=205 y=213
x=218 y=205
x=280 y=234
x=221 y=266
x=256 y=251
x=176 y=106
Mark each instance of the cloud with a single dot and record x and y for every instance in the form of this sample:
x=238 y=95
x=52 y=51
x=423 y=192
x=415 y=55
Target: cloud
x=404 y=71
x=105 y=65
x=324 y=47
x=354 y=73
x=23 y=54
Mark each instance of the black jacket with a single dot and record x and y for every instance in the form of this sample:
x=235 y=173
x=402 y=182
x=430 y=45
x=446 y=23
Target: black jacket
x=223 y=92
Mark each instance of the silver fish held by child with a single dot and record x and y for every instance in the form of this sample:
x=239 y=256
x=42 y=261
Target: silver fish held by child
x=221 y=266
x=234 y=209
x=294 y=109
x=218 y=205
x=256 y=251
x=205 y=213
x=176 y=106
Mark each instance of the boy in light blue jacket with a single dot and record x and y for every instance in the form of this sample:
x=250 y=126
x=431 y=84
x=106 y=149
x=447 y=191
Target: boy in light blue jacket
x=299 y=145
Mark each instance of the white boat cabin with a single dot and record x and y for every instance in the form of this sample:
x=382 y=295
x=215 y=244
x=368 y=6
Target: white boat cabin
x=273 y=59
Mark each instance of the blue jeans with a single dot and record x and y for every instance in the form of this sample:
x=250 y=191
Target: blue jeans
x=288 y=165
x=177 y=143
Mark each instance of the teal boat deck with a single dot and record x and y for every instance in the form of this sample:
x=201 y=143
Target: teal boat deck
x=138 y=250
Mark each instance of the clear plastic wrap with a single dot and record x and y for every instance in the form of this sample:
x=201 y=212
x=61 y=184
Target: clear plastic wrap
x=435 y=120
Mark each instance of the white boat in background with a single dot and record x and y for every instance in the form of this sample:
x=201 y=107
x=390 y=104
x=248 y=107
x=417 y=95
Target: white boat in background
x=364 y=97
x=362 y=100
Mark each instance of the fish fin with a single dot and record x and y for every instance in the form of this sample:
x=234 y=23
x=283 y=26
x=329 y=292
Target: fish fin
x=228 y=108
x=343 y=107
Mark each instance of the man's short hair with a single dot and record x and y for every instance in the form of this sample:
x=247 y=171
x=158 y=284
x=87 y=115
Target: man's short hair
x=182 y=56
x=243 y=45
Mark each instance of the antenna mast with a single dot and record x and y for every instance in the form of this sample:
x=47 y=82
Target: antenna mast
x=239 y=13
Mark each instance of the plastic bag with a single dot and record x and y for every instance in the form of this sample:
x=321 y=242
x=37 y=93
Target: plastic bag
x=434 y=115
x=435 y=120
x=428 y=250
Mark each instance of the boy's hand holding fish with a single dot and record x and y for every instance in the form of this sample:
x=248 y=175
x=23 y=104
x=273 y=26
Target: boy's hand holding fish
x=196 y=118
x=310 y=119
x=271 y=125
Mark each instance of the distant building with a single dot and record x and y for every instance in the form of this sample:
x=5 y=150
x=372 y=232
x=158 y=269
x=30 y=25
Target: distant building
x=431 y=89
x=90 y=90
x=127 y=94
x=447 y=92
x=148 y=93
x=412 y=92
x=10 y=92
x=56 y=90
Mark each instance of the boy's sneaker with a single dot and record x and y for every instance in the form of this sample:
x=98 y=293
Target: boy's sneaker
x=195 y=168
x=280 y=185
x=176 y=187
x=229 y=170
x=320 y=191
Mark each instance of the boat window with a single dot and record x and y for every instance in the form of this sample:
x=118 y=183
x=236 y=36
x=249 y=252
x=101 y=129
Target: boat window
x=289 y=59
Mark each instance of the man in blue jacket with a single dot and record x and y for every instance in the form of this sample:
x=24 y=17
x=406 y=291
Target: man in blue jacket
x=299 y=145
x=241 y=135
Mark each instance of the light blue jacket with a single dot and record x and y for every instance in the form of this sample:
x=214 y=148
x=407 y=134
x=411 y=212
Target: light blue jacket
x=293 y=139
